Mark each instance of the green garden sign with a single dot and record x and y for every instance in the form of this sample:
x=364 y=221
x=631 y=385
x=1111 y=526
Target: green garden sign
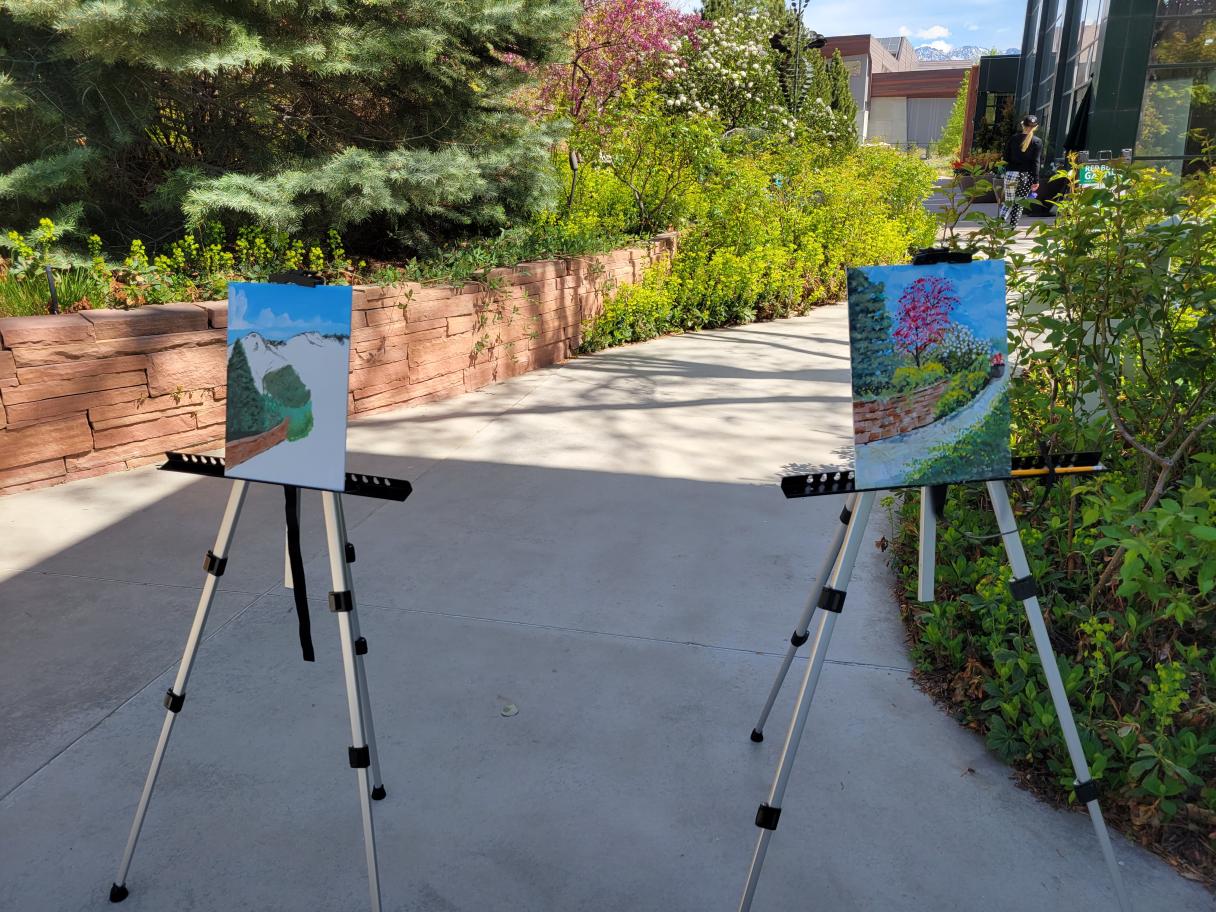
x=1092 y=175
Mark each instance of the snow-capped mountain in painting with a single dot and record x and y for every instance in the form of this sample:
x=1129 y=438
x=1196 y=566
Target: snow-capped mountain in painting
x=265 y=356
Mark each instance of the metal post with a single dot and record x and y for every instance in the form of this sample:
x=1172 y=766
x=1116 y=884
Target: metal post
x=216 y=561
x=769 y=812
x=342 y=600
x=928 y=547
x=1007 y=524
x=800 y=632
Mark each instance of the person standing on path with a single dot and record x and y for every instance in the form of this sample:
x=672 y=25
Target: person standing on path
x=1023 y=152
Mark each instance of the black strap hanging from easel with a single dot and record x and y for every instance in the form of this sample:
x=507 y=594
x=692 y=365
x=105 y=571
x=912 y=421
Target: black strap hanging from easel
x=296 y=561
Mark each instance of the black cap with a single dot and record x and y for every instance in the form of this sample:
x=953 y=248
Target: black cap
x=1030 y=120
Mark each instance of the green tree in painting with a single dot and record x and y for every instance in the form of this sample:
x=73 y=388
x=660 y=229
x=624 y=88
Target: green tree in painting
x=870 y=333
x=285 y=385
x=287 y=397
x=245 y=414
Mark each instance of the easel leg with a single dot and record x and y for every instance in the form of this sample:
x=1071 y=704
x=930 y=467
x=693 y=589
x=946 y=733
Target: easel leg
x=365 y=700
x=214 y=564
x=800 y=632
x=1024 y=588
x=831 y=601
x=342 y=602
x=928 y=547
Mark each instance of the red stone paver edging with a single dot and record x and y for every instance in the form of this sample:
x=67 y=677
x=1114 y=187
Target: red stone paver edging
x=878 y=419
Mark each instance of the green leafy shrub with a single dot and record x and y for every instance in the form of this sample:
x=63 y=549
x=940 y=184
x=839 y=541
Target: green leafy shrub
x=910 y=378
x=771 y=227
x=656 y=156
x=962 y=389
x=634 y=314
x=1116 y=324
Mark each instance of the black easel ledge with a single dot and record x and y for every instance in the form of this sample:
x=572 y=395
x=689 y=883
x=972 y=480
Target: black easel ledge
x=1022 y=468
x=357 y=483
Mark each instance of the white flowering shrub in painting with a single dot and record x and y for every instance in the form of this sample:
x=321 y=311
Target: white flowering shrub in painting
x=733 y=76
x=960 y=350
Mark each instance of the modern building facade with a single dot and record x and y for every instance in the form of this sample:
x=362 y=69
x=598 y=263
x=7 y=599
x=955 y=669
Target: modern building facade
x=1106 y=76
x=901 y=100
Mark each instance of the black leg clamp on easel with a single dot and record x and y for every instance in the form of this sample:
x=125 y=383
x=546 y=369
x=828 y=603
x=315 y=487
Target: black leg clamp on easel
x=295 y=558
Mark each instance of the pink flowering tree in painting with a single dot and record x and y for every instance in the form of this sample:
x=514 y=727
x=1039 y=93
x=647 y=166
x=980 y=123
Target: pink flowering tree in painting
x=616 y=43
x=924 y=315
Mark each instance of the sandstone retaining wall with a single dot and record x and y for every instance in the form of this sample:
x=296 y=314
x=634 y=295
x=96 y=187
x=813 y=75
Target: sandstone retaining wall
x=104 y=390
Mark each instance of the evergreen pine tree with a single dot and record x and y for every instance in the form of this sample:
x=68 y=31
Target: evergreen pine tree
x=245 y=414
x=951 y=141
x=872 y=348
x=392 y=116
x=844 y=107
x=819 y=87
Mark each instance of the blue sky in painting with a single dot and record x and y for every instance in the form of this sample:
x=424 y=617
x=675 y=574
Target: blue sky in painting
x=981 y=288
x=279 y=312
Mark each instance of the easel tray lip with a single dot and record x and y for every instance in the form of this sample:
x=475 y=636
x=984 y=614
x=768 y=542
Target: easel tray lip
x=358 y=484
x=1023 y=468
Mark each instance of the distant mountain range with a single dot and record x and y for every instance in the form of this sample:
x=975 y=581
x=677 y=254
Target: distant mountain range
x=966 y=52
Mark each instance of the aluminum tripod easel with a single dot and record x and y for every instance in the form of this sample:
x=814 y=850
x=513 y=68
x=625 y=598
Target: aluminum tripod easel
x=362 y=754
x=828 y=598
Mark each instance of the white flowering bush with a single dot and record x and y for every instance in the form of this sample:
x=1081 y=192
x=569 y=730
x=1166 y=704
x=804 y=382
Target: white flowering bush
x=733 y=76
x=959 y=349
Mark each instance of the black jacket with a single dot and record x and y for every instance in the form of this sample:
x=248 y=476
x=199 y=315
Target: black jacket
x=1023 y=162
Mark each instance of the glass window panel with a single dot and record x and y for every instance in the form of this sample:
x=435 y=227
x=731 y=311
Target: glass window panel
x=1177 y=103
x=1191 y=40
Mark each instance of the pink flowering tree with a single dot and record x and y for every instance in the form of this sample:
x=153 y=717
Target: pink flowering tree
x=924 y=315
x=616 y=43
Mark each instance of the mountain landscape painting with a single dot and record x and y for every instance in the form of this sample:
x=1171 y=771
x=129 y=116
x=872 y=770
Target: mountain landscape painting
x=288 y=368
x=930 y=379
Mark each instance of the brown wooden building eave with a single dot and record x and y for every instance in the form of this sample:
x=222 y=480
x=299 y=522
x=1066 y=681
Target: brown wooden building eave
x=917 y=83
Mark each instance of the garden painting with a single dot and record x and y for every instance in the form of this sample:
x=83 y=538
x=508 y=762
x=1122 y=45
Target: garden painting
x=930 y=379
x=288 y=364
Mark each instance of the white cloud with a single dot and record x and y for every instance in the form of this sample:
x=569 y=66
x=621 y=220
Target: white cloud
x=905 y=32
x=972 y=27
x=943 y=46
x=934 y=32
x=267 y=320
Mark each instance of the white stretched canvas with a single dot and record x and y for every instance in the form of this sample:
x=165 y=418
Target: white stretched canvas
x=288 y=372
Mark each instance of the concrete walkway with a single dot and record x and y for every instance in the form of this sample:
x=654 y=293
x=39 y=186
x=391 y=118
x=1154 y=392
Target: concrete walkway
x=601 y=545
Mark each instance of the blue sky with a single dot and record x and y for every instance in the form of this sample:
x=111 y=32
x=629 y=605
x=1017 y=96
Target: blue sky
x=987 y=23
x=981 y=288
x=281 y=311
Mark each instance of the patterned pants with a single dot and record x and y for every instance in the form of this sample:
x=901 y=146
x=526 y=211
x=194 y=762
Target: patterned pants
x=1011 y=212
